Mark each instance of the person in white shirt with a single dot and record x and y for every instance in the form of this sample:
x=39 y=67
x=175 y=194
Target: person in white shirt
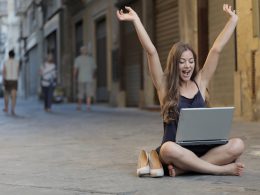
x=84 y=70
x=10 y=78
x=48 y=81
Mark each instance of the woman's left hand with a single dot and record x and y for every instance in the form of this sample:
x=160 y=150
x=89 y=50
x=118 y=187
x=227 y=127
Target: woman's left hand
x=130 y=16
x=228 y=9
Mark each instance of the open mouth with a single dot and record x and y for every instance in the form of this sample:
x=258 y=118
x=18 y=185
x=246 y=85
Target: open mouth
x=186 y=73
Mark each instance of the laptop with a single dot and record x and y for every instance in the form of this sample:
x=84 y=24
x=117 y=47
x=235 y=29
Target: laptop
x=204 y=126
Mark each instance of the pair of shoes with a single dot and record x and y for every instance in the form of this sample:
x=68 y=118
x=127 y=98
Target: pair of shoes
x=149 y=164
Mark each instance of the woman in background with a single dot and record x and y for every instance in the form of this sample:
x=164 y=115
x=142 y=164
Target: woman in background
x=48 y=81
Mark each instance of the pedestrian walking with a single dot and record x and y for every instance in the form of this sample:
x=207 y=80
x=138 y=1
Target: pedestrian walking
x=182 y=85
x=48 y=81
x=10 y=78
x=84 y=72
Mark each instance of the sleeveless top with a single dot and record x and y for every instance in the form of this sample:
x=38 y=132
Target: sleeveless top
x=170 y=128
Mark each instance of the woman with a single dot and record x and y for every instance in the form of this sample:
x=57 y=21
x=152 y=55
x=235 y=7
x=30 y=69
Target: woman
x=48 y=78
x=182 y=85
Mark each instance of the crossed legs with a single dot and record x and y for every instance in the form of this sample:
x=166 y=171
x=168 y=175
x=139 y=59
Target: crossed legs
x=217 y=161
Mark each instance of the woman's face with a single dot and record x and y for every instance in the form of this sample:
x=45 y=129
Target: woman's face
x=186 y=65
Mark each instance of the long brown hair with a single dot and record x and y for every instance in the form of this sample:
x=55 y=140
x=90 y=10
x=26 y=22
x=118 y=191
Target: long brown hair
x=170 y=101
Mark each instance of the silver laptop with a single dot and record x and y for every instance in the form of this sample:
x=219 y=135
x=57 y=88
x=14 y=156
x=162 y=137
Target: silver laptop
x=204 y=126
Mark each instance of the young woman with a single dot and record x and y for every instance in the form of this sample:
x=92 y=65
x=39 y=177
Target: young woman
x=48 y=78
x=182 y=85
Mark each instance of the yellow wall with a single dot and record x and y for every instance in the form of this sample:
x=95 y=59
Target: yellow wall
x=188 y=23
x=246 y=44
x=221 y=86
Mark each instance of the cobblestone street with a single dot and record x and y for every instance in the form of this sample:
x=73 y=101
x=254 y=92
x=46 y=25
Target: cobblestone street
x=69 y=152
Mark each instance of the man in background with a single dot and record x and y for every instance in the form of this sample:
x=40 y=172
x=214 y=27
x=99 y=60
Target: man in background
x=84 y=70
x=10 y=78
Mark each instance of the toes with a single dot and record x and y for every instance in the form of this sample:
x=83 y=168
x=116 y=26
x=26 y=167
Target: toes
x=171 y=170
x=240 y=168
x=240 y=165
x=170 y=167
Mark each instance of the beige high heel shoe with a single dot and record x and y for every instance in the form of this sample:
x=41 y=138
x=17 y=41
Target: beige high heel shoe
x=156 y=168
x=143 y=167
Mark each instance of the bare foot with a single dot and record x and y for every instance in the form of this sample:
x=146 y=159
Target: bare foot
x=171 y=171
x=13 y=113
x=5 y=110
x=233 y=169
x=174 y=171
x=47 y=110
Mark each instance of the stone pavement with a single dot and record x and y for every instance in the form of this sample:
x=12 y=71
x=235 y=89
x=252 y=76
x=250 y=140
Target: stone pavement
x=67 y=152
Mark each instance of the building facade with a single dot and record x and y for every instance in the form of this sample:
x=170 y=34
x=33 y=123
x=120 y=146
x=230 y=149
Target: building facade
x=3 y=30
x=40 y=33
x=31 y=45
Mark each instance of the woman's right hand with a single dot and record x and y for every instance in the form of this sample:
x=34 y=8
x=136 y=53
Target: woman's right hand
x=232 y=13
x=130 y=16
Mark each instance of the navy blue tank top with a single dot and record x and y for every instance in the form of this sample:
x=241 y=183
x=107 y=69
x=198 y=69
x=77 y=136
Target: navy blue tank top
x=170 y=128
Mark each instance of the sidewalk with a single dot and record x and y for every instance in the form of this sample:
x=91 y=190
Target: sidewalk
x=67 y=152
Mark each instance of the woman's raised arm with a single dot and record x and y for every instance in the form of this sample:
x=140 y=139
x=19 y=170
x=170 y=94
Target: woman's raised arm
x=152 y=55
x=212 y=60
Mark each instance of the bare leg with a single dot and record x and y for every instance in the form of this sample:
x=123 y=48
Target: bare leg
x=6 y=97
x=88 y=103
x=225 y=154
x=13 y=95
x=185 y=160
x=79 y=104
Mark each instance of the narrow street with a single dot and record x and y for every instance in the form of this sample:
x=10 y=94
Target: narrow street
x=70 y=152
